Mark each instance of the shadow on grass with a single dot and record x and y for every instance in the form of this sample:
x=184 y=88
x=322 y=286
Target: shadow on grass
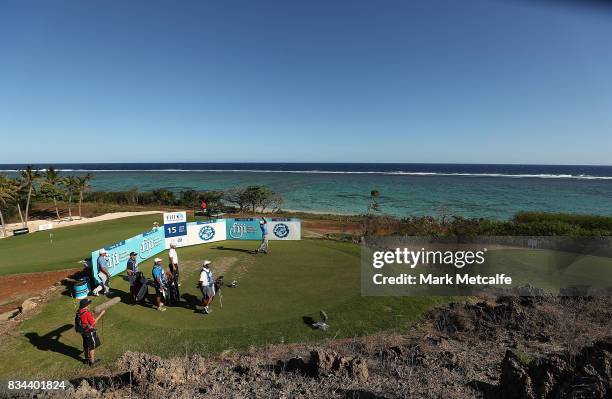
x=51 y=342
x=222 y=248
x=126 y=297
x=192 y=302
x=309 y=321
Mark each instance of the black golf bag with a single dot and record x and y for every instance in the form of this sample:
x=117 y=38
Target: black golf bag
x=173 y=294
x=141 y=288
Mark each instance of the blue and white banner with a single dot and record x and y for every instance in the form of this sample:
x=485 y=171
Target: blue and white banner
x=200 y=233
x=249 y=229
x=284 y=229
x=157 y=240
x=243 y=229
x=175 y=217
x=146 y=245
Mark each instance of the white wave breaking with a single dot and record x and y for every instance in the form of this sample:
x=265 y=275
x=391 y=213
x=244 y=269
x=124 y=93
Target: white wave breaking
x=315 y=171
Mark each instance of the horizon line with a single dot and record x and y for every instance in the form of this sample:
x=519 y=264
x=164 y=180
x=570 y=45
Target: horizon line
x=305 y=162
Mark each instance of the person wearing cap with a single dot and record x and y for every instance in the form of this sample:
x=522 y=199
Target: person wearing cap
x=132 y=274
x=173 y=263
x=263 y=225
x=207 y=285
x=159 y=282
x=88 y=330
x=103 y=274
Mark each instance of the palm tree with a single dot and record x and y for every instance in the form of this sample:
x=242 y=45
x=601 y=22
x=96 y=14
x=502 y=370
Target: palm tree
x=53 y=180
x=29 y=177
x=7 y=193
x=82 y=184
x=70 y=184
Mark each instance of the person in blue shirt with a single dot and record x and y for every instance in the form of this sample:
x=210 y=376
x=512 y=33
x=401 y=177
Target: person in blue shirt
x=263 y=225
x=160 y=283
x=103 y=274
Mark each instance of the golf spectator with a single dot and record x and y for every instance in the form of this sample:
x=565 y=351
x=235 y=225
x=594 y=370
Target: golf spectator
x=160 y=283
x=207 y=285
x=263 y=225
x=103 y=274
x=155 y=226
x=133 y=273
x=88 y=331
x=173 y=263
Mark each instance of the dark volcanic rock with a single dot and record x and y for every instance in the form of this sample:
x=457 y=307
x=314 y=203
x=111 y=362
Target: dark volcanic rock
x=586 y=375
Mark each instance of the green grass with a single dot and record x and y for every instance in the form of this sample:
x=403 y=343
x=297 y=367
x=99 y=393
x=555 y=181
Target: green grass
x=37 y=253
x=274 y=293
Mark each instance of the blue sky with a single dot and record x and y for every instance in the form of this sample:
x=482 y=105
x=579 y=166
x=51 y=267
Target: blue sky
x=321 y=81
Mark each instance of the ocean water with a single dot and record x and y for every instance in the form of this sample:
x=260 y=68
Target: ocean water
x=494 y=191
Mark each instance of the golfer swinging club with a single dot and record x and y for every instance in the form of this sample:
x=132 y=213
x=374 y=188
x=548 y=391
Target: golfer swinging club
x=103 y=274
x=207 y=285
x=159 y=281
x=263 y=225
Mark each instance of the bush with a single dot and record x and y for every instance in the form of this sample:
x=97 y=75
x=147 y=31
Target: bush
x=588 y=222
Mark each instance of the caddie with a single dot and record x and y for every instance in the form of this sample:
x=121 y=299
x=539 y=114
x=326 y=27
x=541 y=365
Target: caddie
x=133 y=273
x=207 y=285
x=160 y=284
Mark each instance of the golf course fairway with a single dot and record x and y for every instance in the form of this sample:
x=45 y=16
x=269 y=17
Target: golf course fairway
x=274 y=293
x=64 y=248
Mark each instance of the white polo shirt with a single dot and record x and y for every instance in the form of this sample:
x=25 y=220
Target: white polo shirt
x=173 y=256
x=204 y=277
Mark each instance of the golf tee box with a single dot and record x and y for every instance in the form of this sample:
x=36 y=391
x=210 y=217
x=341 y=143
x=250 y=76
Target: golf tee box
x=182 y=234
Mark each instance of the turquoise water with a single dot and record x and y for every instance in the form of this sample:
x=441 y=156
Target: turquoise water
x=470 y=190
x=401 y=195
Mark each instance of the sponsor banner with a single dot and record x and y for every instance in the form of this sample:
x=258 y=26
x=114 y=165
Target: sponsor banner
x=19 y=232
x=146 y=245
x=249 y=229
x=243 y=229
x=157 y=240
x=46 y=226
x=175 y=217
x=175 y=229
x=287 y=229
x=200 y=233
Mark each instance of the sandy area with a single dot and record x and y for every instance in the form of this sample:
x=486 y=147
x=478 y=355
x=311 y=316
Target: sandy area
x=33 y=224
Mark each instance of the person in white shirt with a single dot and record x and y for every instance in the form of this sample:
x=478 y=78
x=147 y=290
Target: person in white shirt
x=173 y=263
x=207 y=285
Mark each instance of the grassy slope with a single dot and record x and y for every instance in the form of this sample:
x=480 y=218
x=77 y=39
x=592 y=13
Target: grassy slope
x=274 y=293
x=35 y=252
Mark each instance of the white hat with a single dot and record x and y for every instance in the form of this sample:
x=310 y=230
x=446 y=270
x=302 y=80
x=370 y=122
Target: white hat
x=157 y=260
x=102 y=251
x=206 y=263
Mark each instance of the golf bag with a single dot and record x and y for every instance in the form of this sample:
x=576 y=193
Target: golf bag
x=173 y=294
x=140 y=287
x=218 y=284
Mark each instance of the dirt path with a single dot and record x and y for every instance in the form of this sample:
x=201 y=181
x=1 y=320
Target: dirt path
x=14 y=289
